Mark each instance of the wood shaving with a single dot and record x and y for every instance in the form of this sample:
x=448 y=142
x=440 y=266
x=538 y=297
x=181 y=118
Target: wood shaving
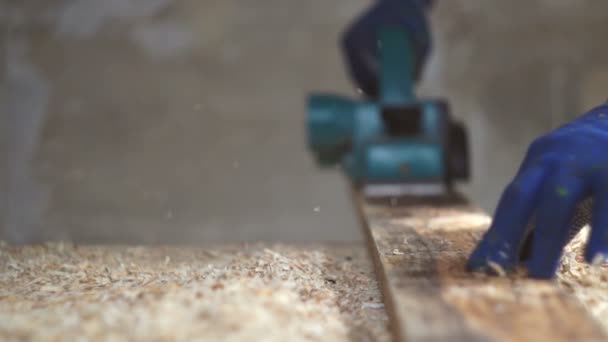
x=589 y=283
x=239 y=293
x=249 y=292
x=498 y=270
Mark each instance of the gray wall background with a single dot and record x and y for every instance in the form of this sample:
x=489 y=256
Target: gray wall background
x=162 y=121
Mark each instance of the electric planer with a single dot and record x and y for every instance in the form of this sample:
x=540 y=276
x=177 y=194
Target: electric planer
x=393 y=145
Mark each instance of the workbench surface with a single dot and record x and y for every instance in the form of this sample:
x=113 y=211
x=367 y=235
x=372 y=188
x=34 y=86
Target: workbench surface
x=240 y=292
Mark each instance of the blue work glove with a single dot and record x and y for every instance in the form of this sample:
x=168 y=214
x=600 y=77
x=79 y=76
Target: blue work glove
x=561 y=186
x=360 y=42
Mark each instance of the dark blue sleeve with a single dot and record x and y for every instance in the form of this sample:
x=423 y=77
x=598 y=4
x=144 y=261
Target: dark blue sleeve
x=359 y=42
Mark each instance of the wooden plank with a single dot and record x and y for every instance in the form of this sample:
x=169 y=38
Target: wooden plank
x=420 y=249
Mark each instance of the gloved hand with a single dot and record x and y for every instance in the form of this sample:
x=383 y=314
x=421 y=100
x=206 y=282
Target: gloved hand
x=561 y=185
x=360 y=42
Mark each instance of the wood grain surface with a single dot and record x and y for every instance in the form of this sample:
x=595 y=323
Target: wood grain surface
x=420 y=249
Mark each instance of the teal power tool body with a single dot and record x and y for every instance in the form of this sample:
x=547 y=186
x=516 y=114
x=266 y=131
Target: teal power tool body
x=393 y=144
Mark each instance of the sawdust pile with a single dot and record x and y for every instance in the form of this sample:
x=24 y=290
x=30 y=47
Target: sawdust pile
x=240 y=293
x=244 y=293
x=589 y=283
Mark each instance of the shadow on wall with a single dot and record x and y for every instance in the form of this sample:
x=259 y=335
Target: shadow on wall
x=182 y=120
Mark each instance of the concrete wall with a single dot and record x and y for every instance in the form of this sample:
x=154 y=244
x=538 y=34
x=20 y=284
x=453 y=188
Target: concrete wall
x=182 y=120
x=514 y=70
x=172 y=120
